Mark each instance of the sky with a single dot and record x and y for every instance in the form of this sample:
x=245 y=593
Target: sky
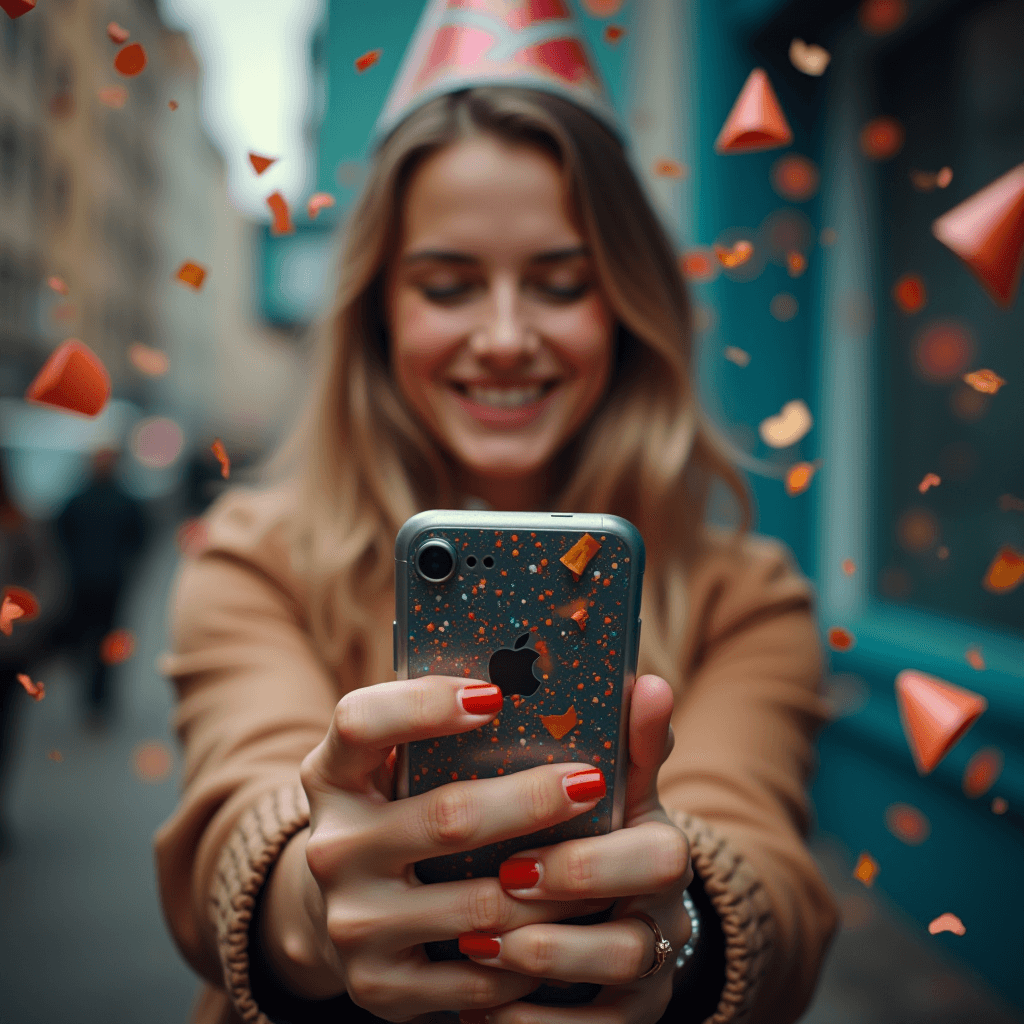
x=257 y=89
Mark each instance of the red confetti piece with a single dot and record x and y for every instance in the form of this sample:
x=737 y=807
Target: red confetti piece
x=796 y=263
x=947 y=923
x=602 y=8
x=699 y=265
x=219 y=450
x=36 y=690
x=152 y=761
x=840 y=639
x=282 y=218
x=866 y=870
x=669 y=169
x=261 y=163
x=73 y=378
x=173 y=104
x=811 y=60
x=999 y=805
x=756 y=121
x=191 y=274
x=9 y=611
x=579 y=555
x=16 y=8
x=907 y=824
x=55 y=755
x=113 y=96
x=23 y=599
x=799 y=476
x=882 y=138
x=935 y=715
x=367 y=60
x=909 y=293
x=930 y=480
x=984 y=381
x=613 y=33
x=150 y=361
x=735 y=255
x=975 y=659
x=794 y=177
x=131 y=60
x=982 y=771
x=580 y=617
x=117 y=646
x=849 y=567
x=117 y=34
x=58 y=285
x=1005 y=573
x=319 y=201
x=943 y=351
x=559 y=725
x=880 y=17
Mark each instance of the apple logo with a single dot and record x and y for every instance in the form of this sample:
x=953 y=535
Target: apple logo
x=511 y=669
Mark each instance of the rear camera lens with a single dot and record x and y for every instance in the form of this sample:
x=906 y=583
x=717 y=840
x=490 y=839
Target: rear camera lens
x=435 y=561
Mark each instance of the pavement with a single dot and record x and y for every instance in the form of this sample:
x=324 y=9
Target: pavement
x=82 y=936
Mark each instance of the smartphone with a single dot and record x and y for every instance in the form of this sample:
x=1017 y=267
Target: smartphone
x=546 y=606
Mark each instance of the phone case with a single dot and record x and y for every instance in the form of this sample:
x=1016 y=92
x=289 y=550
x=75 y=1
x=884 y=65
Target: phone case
x=546 y=606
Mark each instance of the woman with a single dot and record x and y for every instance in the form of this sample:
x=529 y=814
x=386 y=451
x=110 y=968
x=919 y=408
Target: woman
x=501 y=238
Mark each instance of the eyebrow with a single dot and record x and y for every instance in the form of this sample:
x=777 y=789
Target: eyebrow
x=448 y=256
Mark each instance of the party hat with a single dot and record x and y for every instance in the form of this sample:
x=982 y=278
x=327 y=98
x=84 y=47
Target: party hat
x=530 y=44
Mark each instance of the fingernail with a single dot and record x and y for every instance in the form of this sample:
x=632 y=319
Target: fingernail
x=479 y=944
x=481 y=699
x=584 y=786
x=474 y=1017
x=519 y=873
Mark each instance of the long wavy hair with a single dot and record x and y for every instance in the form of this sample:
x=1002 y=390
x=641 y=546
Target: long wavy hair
x=357 y=461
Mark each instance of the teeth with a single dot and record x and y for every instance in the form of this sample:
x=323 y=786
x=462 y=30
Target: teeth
x=506 y=398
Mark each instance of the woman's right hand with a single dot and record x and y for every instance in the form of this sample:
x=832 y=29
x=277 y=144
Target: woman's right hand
x=371 y=914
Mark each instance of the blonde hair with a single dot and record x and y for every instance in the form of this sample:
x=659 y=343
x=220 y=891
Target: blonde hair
x=359 y=464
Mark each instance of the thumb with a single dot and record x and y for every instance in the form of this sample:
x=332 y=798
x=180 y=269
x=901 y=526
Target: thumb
x=650 y=742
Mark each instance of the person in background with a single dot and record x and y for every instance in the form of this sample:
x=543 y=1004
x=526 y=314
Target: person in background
x=103 y=530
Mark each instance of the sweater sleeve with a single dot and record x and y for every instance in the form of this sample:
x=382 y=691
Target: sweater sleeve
x=253 y=699
x=736 y=779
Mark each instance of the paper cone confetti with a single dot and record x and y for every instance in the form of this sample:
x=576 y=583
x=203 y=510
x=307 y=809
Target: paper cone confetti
x=16 y=8
x=935 y=715
x=756 y=121
x=73 y=378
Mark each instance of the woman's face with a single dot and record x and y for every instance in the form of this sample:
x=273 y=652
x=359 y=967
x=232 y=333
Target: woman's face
x=493 y=288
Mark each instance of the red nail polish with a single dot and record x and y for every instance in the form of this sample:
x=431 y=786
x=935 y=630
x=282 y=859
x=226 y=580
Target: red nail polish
x=588 y=785
x=519 y=873
x=481 y=699
x=478 y=944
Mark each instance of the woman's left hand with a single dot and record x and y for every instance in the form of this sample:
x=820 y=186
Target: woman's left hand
x=645 y=865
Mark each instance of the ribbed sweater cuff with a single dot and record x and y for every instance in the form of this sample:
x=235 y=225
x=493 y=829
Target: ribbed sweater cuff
x=252 y=849
x=746 y=915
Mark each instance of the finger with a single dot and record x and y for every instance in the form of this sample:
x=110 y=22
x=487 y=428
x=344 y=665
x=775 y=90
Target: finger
x=650 y=719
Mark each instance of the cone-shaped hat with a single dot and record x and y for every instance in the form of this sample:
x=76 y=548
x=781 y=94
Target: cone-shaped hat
x=531 y=44
x=756 y=121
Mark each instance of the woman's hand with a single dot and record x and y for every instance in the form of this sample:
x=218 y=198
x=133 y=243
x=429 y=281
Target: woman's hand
x=367 y=913
x=649 y=856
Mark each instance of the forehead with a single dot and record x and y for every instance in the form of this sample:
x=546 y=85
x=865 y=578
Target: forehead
x=485 y=195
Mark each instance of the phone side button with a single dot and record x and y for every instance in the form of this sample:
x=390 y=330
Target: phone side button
x=394 y=642
x=636 y=651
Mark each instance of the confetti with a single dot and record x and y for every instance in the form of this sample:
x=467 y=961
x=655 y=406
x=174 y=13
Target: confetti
x=975 y=659
x=579 y=555
x=784 y=307
x=942 y=552
x=943 y=351
x=795 y=178
x=22 y=599
x=930 y=480
x=55 y=755
x=9 y=611
x=947 y=923
x=282 y=218
x=907 y=824
x=880 y=17
x=367 y=60
x=602 y=8
x=1010 y=503
x=191 y=274
x=799 y=476
x=172 y=104
x=982 y=771
x=16 y=8
x=882 y=138
x=613 y=33
x=756 y=121
x=736 y=355
x=987 y=232
x=925 y=181
x=319 y=201
x=866 y=870
x=113 y=96
x=131 y=60
x=157 y=442
x=796 y=264
x=150 y=361
x=985 y=381
x=849 y=567
x=261 y=163
x=699 y=265
x=117 y=646
x=1006 y=571
x=58 y=285
x=999 y=805
x=669 y=169
x=116 y=34
x=559 y=725
x=808 y=58
x=580 y=617
x=909 y=293
x=36 y=690
x=73 y=378
x=152 y=761
x=840 y=639
x=222 y=457
x=792 y=423
x=935 y=715
x=735 y=255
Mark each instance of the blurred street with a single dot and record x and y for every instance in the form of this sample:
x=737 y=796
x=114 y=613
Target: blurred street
x=82 y=939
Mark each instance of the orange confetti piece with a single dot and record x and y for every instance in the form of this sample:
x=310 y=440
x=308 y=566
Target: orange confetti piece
x=58 y=285
x=796 y=263
x=975 y=659
x=882 y=138
x=150 y=361
x=261 y=163
x=909 y=293
x=799 y=476
x=736 y=355
x=792 y=423
x=984 y=381
x=935 y=715
x=16 y=8
x=55 y=755
x=35 y=690
x=999 y=805
x=669 y=169
x=319 y=201
x=131 y=60
x=840 y=639
x=23 y=599
x=699 y=265
x=947 y=923
x=735 y=256
x=117 y=34
x=220 y=451
x=811 y=60
x=152 y=761
x=192 y=537
x=982 y=771
x=117 y=646
x=559 y=725
x=930 y=480
x=602 y=8
x=173 y=104
x=9 y=611
x=577 y=557
x=73 y=378
x=925 y=181
x=1005 y=572
x=367 y=60
x=613 y=33
x=849 y=567
x=580 y=617
x=756 y=121
x=907 y=824
x=113 y=96
x=282 y=218
x=191 y=274
x=866 y=870
x=880 y=17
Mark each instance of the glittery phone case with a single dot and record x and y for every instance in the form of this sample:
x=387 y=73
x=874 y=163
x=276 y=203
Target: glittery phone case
x=546 y=606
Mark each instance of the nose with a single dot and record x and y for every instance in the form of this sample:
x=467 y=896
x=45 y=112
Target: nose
x=506 y=335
